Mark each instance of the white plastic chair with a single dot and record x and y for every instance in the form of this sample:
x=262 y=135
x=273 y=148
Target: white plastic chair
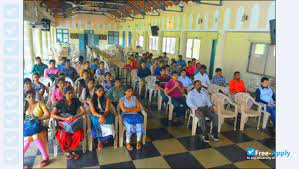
x=266 y=116
x=160 y=100
x=150 y=87
x=69 y=80
x=122 y=127
x=116 y=121
x=244 y=101
x=135 y=78
x=220 y=100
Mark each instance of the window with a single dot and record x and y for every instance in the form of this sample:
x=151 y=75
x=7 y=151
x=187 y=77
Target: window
x=153 y=42
x=62 y=36
x=262 y=59
x=113 y=37
x=168 y=45
x=193 y=48
x=140 y=41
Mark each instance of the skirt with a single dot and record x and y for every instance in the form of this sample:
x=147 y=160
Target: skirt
x=102 y=131
x=133 y=123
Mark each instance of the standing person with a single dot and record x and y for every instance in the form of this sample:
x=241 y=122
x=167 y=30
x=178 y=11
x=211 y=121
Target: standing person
x=115 y=93
x=175 y=90
x=51 y=72
x=133 y=121
x=65 y=111
x=95 y=65
x=181 y=62
x=199 y=100
x=236 y=85
x=39 y=67
x=101 y=117
x=69 y=71
x=35 y=113
x=203 y=77
x=39 y=88
x=264 y=94
x=155 y=65
x=160 y=83
x=61 y=65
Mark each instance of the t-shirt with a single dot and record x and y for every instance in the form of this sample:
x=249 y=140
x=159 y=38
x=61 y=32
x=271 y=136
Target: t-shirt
x=176 y=92
x=142 y=73
x=63 y=107
x=161 y=81
x=236 y=86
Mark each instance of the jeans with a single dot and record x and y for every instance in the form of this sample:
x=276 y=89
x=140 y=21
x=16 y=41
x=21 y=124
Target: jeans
x=180 y=105
x=203 y=112
x=164 y=97
x=272 y=111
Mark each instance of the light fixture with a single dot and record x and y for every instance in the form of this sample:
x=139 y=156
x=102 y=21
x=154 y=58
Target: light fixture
x=244 y=18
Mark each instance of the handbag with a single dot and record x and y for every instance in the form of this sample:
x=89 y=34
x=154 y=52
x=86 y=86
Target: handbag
x=32 y=127
x=70 y=126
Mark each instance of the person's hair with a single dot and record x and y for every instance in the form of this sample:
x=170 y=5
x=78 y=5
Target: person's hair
x=38 y=58
x=203 y=67
x=162 y=68
x=95 y=59
x=189 y=62
x=26 y=105
x=67 y=89
x=264 y=79
x=86 y=62
x=107 y=73
x=27 y=80
x=142 y=62
x=127 y=87
x=174 y=72
x=80 y=58
x=102 y=62
x=52 y=61
x=90 y=79
x=58 y=80
x=180 y=56
x=218 y=70
x=67 y=60
x=150 y=55
x=61 y=74
x=195 y=81
x=35 y=73
x=85 y=71
x=193 y=59
x=63 y=58
x=131 y=55
x=156 y=59
x=136 y=53
x=117 y=79
x=236 y=72
x=183 y=70
x=98 y=86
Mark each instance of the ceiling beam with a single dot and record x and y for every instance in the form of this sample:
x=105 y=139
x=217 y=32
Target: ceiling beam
x=135 y=9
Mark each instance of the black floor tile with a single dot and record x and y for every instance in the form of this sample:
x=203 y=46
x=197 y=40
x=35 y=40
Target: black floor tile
x=158 y=134
x=270 y=163
x=269 y=142
x=192 y=143
x=148 y=150
x=236 y=136
x=128 y=164
x=226 y=166
x=233 y=153
x=88 y=159
x=182 y=160
x=29 y=161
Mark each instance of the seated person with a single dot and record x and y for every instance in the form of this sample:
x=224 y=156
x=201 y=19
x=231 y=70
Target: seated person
x=236 y=85
x=79 y=65
x=160 y=83
x=87 y=93
x=157 y=70
x=95 y=65
x=35 y=113
x=102 y=119
x=115 y=93
x=27 y=86
x=52 y=72
x=148 y=63
x=57 y=93
x=69 y=71
x=167 y=69
x=181 y=62
x=62 y=76
x=107 y=83
x=62 y=63
x=219 y=80
x=264 y=94
x=38 y=87
x=190 y=69
x=203 y=77
x=101 y=70
x=174 y=67
x=186 y=81
x=154 y=66
x=175 y=90
x=199 y=100
x=132 y=120
x=82 y=83
x=198 y=65
x=86 y=67
x=39 y=67
x=165 y=58
x=65 y=111
x=142 y=73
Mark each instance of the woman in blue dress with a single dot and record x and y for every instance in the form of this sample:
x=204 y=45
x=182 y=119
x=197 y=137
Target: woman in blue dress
x=107 y=82
x=132 y=120
x=102 y=119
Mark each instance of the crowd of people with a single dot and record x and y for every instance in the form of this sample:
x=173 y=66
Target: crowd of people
x=95 y=91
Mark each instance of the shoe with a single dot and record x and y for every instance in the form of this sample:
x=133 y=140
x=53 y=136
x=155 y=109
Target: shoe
x=215 y=137
x=206 y=138
x=139 y=145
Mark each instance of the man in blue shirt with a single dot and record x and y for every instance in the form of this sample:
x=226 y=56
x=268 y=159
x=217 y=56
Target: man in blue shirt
x=187 y=82
x=181 y=62
x=62 y=64
x=69 y=71
x=264 y=94
x=39 y=67
x=95 y=65
x=158 y=69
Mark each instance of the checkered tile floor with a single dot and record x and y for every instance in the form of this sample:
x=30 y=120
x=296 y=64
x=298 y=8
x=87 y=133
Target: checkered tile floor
x=170 y=146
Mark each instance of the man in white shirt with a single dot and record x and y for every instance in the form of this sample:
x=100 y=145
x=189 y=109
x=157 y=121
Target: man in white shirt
x=203 y=76
x=199 y=100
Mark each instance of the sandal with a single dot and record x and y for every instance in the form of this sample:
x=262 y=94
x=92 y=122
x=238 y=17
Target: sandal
x=43 y=163
x=75 y=155
x=138 y=145
x=129 y=147
x=100 y=145
x=69 y=156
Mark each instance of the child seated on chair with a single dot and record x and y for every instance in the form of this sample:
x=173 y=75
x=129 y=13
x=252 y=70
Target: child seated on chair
x=38 y=87
x=132 y=120
x=70 y=124
x=102 y=119
x=33 y=125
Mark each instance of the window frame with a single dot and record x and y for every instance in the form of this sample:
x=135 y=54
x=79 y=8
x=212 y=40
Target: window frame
x=192 y=48
x=113 y=38
x=155 y=43
x=61 y=32
x=168 y=52
x=268 y=46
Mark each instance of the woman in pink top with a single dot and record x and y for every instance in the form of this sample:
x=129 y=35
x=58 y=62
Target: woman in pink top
x=57 y=93
x=51 y=72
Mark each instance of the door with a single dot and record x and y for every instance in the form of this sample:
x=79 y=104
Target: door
x=212 y=61
x=82 y=50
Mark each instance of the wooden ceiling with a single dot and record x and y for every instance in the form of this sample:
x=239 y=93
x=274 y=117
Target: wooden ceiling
x=115 y=9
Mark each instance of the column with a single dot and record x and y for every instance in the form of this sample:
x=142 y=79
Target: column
x=28 y=47
x=160 y=43
x=219 y=57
